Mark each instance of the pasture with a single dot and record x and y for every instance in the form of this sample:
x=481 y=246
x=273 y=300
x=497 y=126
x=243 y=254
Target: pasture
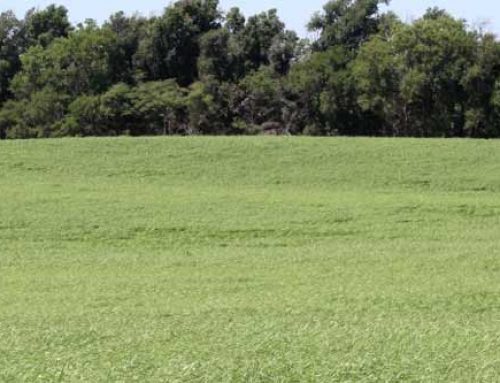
x=249 y=260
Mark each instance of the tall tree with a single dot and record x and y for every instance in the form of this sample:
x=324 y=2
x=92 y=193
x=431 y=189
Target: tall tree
x=11 y=46
x=428 y=78
x=129 y=31
x=257 y=38
x=346 y=22
x=79 y=64
x=43 y=26
x=171 y=47
x=218 y=56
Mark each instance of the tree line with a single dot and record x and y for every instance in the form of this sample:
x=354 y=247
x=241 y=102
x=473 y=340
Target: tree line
x=197 y=70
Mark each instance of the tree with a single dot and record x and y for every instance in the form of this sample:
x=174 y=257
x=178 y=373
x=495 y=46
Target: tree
x=117 y=110
x=158 y=108
x=235 y=21
x=194 y=71
x=216 y=56
x=211 y=107
x=129 y=32
x=171 y=46
x=378 y=72
x=431 y=78
x=257 y=38
x=323 y=91
x=283 y=51
x=263 y=98
x=482 y=90
x=44 y=26
x=36 y=117
x=79 y=64
x=11 y=47
x=84 y=118
x=346 y=22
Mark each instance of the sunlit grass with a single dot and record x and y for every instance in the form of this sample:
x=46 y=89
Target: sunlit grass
x=249 y=260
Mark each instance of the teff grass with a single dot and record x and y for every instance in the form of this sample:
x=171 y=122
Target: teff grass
x=249 y=260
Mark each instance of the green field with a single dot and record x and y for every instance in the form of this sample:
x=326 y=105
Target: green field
x=249 y=260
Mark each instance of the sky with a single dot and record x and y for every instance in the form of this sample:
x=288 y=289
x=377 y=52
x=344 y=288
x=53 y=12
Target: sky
x=295 y=13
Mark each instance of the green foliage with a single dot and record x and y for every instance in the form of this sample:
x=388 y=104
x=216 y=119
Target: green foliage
x=79 y=64
x=218 y=56
x=171 y=48
x=431 y=78
x=196 y=70
x=44 y=26
x=149 y=109
x=262 y=98
x=158 y=108
x=217 y=108
x=37 y=117
x=257 y=38
x=235 y=20
x=282 y=51
x=85 y=118
x=346 y=22
x=322 y=88
x=11 y=45
x=129 y=31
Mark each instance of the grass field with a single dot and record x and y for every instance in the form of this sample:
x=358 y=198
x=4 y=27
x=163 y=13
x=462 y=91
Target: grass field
x=249 y=260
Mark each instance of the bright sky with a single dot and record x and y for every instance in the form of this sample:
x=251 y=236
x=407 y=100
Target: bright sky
x=294 y=12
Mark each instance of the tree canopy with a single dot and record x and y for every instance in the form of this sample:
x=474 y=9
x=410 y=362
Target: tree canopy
x=196 y=69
